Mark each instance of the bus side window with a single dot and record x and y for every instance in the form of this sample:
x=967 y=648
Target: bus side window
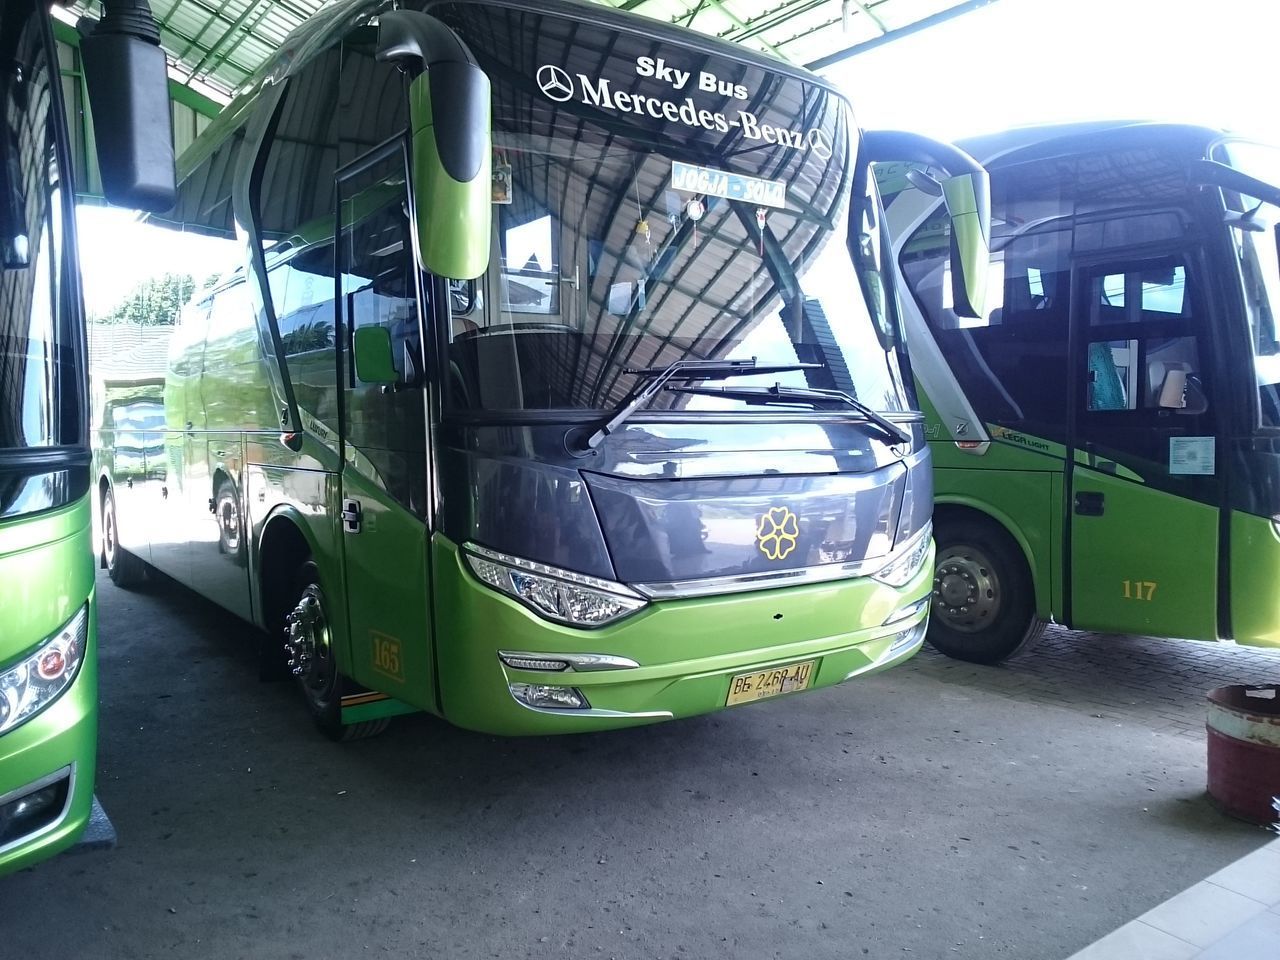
x=302 y=295
x=1012 y=363
x=1142 y=348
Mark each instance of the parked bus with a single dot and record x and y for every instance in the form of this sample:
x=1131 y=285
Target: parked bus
x=48 y=670
x=1106 y=440
x=559 y=384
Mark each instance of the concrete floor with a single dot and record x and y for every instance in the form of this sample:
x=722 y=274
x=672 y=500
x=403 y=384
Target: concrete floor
x=938 y=810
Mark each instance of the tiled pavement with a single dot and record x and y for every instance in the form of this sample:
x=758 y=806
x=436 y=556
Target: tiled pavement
x=1232 y=915
x=1159 y=684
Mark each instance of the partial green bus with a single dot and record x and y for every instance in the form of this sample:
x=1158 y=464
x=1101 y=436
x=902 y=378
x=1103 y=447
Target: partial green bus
x=1106 y=439
x=555 y=382
x=48 y=637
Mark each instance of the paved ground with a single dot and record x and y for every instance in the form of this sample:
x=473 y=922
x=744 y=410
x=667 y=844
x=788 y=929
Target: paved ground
x=939 y=810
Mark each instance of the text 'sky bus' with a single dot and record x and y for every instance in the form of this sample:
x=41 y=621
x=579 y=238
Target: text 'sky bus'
x=1106 y=440
x=48 y=656
x=558 y=385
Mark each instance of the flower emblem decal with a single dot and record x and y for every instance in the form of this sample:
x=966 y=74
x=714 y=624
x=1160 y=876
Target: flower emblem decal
x=777 y=532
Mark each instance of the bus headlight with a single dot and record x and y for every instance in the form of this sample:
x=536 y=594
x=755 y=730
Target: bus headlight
x=560 y=595
x=908 y=560
x=33 y=683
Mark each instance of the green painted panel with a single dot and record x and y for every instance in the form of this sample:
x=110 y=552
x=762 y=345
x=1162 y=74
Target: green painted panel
x=1147 y=565
x=387 y=601
x=46 y=576
x=1026 y=503
x=688 y=650
x=1255 y=574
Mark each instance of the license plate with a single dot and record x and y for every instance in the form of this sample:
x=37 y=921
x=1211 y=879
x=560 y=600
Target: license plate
x=774 y=682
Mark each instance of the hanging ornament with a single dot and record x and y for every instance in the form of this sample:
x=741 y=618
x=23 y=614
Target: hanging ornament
x=762 y=215
x=642 y=229
x=695 y=210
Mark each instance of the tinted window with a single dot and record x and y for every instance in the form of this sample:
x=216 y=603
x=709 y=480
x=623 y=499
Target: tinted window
x=637 y=225
x=379 y=288
x=1012 y=364
x=40 y=390
x=1142 y=350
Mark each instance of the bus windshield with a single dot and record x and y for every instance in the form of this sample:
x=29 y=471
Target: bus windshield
x=1256 y=253
x=654 y=203
x=39 y=373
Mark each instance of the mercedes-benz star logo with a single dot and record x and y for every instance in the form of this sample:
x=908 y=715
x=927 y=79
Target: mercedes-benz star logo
x=820 y=143
x=555 y=83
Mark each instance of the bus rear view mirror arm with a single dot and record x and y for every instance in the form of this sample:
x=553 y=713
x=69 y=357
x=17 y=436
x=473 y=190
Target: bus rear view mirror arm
x=1211 y=173
x=449 y=117
x=127 y=78
x=965 y=189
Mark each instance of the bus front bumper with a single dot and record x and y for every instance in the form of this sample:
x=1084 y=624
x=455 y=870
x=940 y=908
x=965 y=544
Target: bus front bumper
x=46 y=771
x=675 y=658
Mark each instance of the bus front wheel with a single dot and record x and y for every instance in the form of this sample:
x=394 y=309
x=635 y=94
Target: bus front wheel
x=124 y=568
x=984 y=607
x=308 y=642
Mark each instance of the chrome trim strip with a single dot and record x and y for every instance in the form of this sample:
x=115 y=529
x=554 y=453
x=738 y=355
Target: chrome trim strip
x=578 y=662
x=602 y=714
x=772 y=580
x=581 y=579
x=68 y=772
x=907 y=611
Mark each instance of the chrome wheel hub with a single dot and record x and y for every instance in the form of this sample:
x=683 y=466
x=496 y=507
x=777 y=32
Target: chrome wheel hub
x=966 y=589
x=307 y=637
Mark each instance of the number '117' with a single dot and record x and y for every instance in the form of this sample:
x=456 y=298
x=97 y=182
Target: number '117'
x=1139 y=589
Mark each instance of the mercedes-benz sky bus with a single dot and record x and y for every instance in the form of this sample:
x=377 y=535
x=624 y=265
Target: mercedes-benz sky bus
x=48 y=657
x=558 y=384
x=1106 y=439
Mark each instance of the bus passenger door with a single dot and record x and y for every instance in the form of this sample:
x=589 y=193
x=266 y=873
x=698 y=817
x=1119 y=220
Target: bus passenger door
x=1143 y=510
x=384 y=440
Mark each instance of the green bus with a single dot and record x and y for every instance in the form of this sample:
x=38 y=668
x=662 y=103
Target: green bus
x=48 y=669
x=1106 y=439
x=555 y=382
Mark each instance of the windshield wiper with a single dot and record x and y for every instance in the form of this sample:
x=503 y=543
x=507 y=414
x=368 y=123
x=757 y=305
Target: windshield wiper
x=655 y=380
x=780 y=394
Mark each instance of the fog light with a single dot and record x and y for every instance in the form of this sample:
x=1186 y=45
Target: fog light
x=533 y=663
x=909 y=610
x=543 y=697
x=33 y=811
x=909 y=638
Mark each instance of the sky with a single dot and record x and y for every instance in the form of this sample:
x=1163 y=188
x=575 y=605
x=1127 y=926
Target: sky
x=1019 y=62
x=1012 y=63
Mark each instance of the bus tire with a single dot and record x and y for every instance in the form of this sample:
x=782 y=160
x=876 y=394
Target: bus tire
x=984 y=604
x=125 y=569
x=309 y=642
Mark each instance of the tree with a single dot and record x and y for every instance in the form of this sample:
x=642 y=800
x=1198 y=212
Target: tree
x=155 y=302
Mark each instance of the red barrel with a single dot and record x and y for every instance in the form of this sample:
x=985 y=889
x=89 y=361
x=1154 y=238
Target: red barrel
x=1244 y=750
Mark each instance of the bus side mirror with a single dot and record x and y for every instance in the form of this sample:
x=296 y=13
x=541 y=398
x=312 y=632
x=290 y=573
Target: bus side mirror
x=966 y=191
x=449 y=116
x=127 y=78
x=375 y=360
x=968 y=201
